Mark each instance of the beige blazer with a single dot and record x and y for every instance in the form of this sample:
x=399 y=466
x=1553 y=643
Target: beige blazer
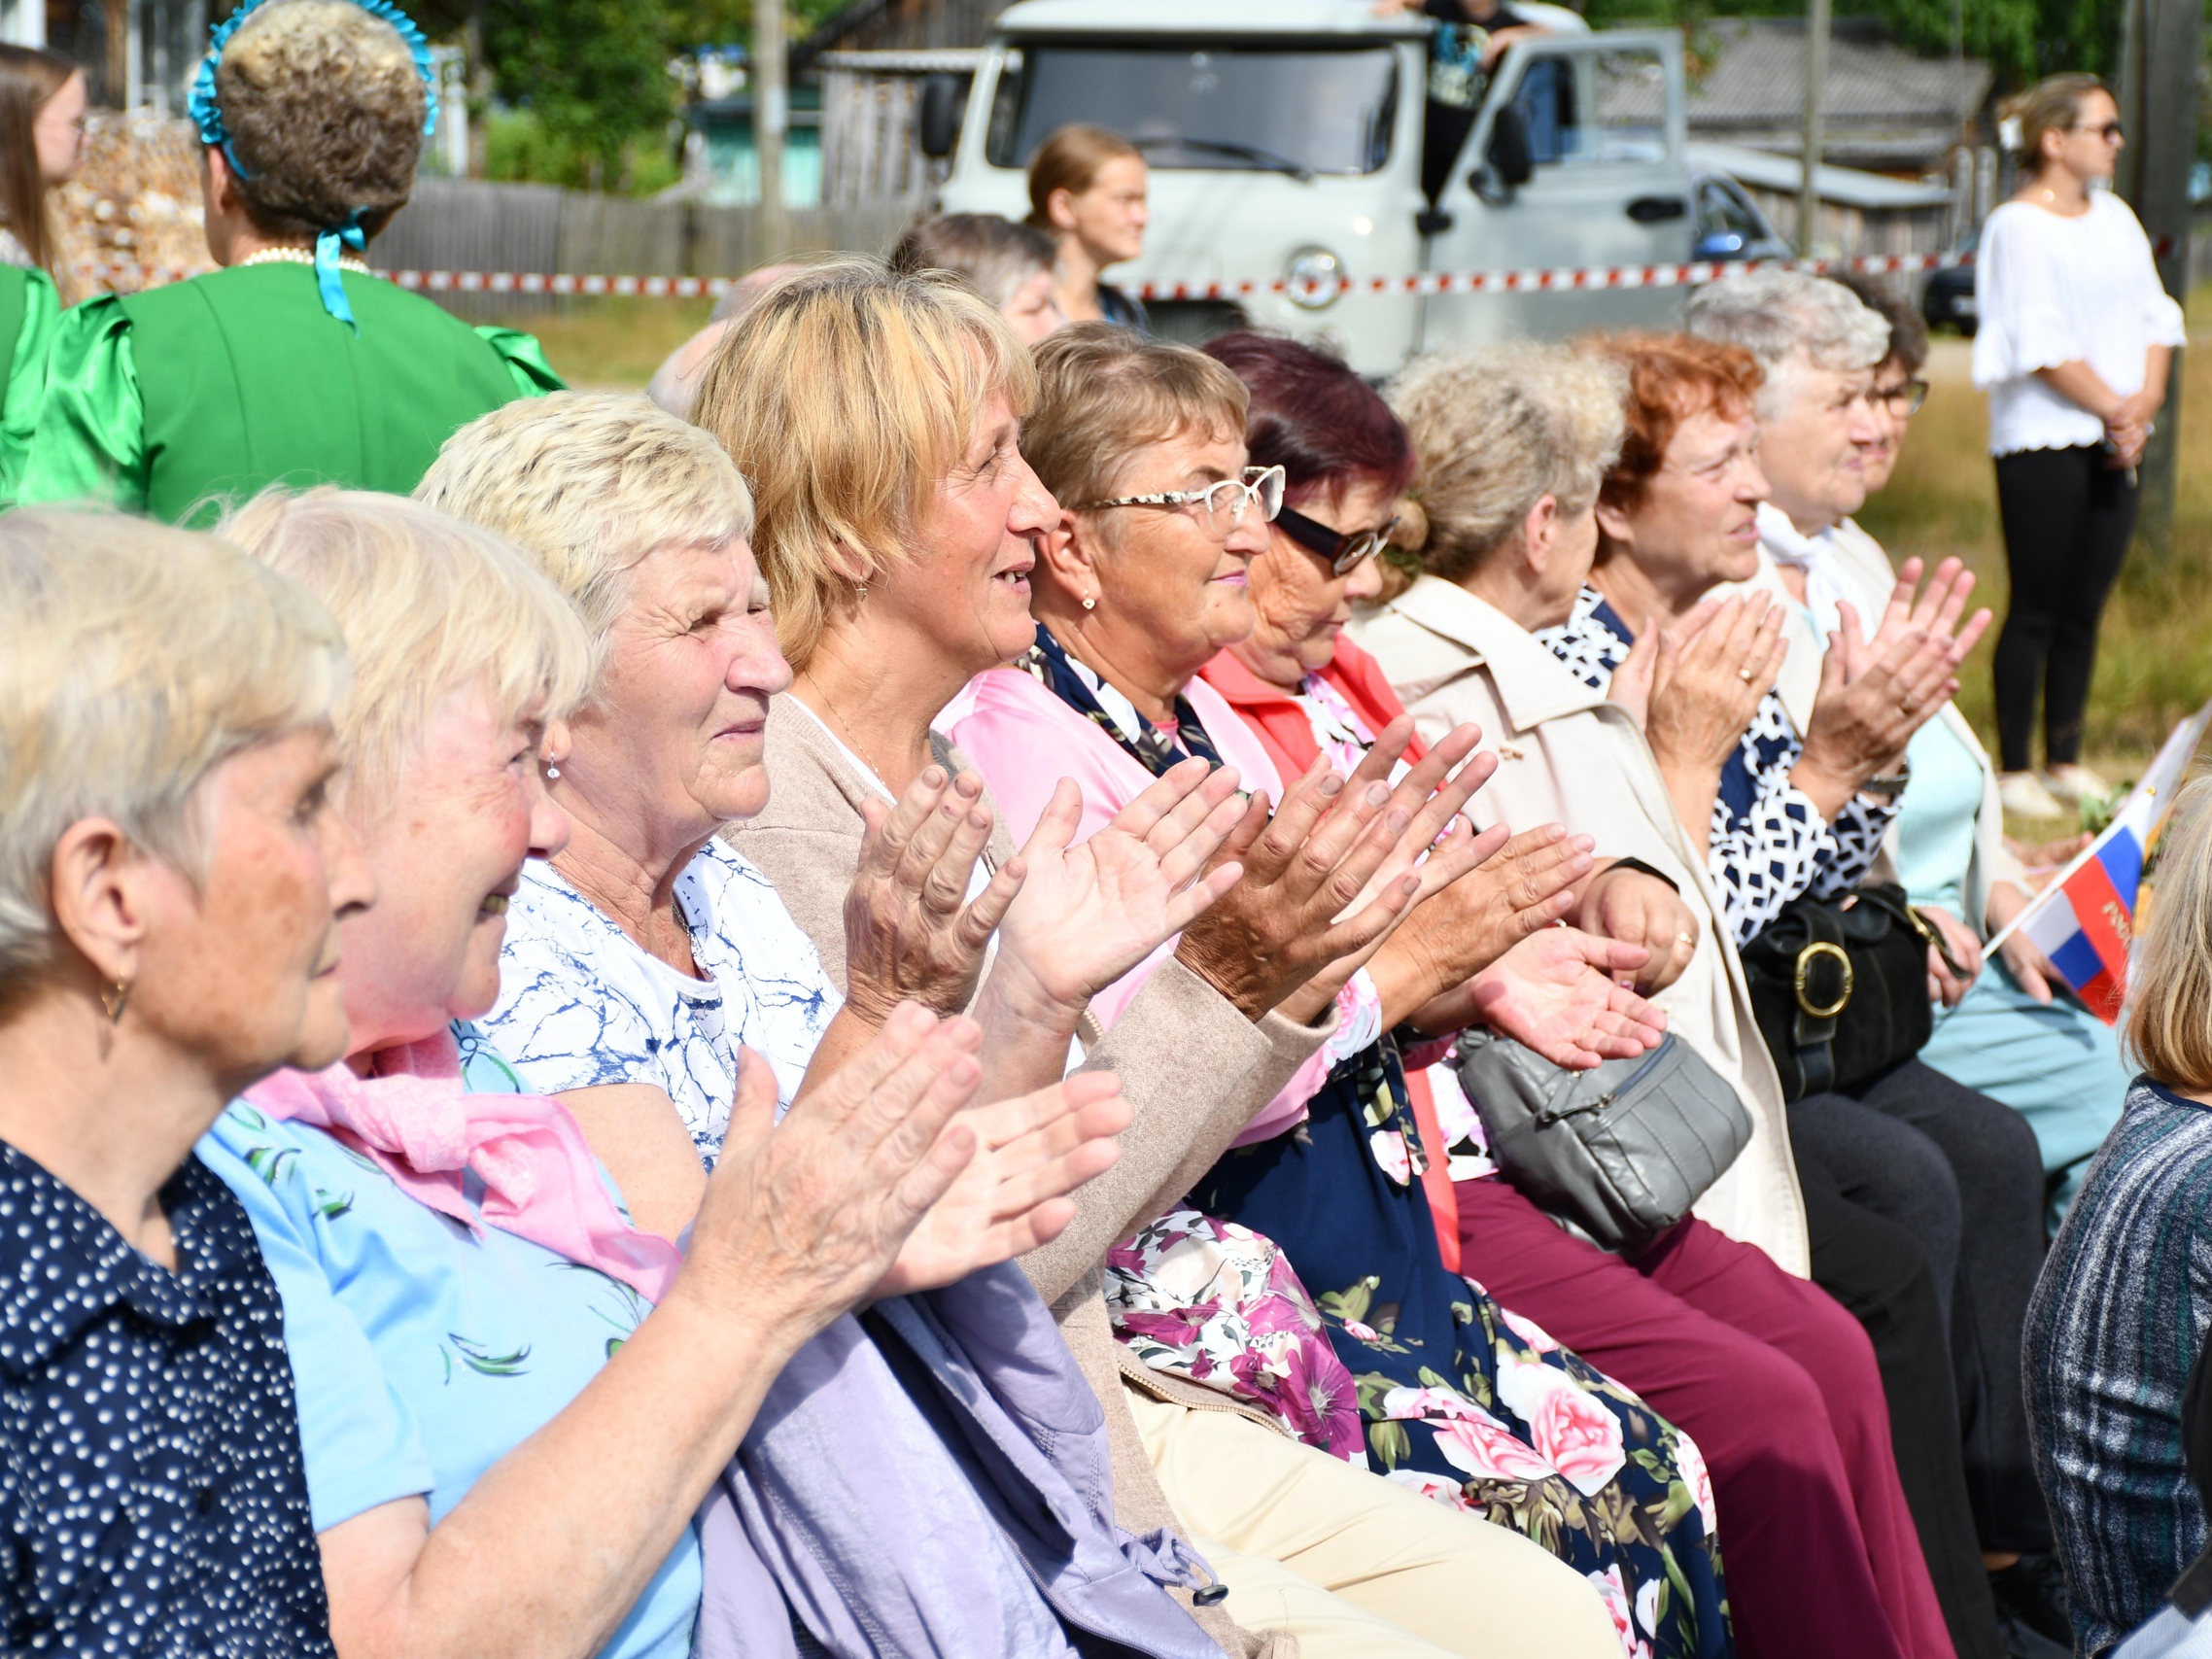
x=1568 y=755
x=1194 y=1069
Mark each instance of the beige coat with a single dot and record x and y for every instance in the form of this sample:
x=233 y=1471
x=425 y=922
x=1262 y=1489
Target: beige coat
x=1193 y=1068
x=1568 y=755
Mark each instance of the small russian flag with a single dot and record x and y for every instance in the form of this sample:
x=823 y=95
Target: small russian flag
x=2085 y=920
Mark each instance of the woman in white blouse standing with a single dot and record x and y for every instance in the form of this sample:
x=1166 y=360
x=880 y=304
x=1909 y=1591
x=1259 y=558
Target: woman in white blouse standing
x=2076 y=338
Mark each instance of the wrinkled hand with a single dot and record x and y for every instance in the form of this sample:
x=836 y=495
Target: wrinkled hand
x=1033 y=1151
x=1708 y=673
x=1965 y=950
x=1088 y=915
x=1636 y=908
x=909 y=929
x=2045 y=859
x=806 y=1216
x=1438 y=844
x=1557 y=992
x=1527 y=884
x=1631 y=684
x=1868 y=708
x=1304 y=903
x=2022 y=954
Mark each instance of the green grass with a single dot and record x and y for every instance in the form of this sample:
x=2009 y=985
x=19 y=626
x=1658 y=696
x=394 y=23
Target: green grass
x=614 y=344
x=2155 y=657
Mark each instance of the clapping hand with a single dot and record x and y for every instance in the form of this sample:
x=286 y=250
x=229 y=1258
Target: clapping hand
x=1033 y=1151
x=910 y=930
x=1088 y=915
x=1558 y=993
x=809 y=1214
x=1709 y=673
x=1527 y=884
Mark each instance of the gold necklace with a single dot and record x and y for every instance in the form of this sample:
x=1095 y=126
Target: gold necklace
x=850 y=736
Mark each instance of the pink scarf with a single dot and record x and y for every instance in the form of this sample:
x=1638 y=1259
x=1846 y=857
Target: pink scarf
x=422 y=1128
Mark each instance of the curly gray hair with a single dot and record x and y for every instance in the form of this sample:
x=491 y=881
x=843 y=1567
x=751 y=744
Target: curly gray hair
x=1787 y=320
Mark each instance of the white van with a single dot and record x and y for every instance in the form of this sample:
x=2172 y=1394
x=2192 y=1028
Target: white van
x=1286 y=142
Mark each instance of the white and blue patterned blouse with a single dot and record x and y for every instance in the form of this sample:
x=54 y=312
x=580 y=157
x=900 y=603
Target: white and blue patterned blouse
x=582 y=1004
x=1768 y=843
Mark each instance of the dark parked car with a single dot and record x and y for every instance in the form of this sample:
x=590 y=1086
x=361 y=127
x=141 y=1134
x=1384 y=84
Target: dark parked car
x=1948 y=300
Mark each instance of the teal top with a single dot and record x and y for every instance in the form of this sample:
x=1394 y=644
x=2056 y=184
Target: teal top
x=217 y=387
x=422 y=1351
x=29 y=309
x=1935 y=821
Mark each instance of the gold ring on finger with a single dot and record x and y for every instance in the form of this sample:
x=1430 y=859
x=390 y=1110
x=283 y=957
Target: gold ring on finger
x=1686 y=939
x=1744 y=675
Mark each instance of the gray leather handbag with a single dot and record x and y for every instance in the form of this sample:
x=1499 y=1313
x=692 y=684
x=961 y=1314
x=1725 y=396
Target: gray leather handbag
x=1621 y=1151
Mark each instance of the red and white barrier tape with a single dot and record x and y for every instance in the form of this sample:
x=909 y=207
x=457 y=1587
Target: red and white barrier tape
x=1535 y=281
x=1563 y=279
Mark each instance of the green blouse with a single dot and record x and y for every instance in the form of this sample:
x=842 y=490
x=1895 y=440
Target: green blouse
x=29 y=309
x=176 y=400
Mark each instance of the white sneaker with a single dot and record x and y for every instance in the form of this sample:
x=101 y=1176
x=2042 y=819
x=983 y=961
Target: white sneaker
x=2076 y=783
x=2025 y=797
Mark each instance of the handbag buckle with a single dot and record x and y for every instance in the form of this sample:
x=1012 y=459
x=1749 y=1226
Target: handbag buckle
x=1805 y=959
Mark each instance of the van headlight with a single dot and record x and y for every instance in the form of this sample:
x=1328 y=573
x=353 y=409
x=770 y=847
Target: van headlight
x=1311 y=278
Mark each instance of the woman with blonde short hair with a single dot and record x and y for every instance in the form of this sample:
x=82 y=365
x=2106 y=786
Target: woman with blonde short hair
x=644 y=955
x=172 y=878
x=293 y=363
x=2122 y=1311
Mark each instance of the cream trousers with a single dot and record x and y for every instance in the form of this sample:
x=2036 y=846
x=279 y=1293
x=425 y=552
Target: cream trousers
x=1353 y=1565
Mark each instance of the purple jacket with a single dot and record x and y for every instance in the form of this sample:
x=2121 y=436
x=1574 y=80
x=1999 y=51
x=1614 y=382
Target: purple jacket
x=813 y=1510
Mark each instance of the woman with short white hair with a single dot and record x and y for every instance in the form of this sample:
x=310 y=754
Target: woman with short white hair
x=172 y=878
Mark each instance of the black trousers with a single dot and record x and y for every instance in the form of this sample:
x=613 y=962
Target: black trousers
x=1878 y=1272
x=1961 y=1173
x=2067 y=518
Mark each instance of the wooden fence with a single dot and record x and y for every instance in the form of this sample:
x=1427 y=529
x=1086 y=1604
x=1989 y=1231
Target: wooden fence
x=469 y=225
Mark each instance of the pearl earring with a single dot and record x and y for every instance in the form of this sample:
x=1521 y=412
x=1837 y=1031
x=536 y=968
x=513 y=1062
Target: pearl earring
x=1090 y=604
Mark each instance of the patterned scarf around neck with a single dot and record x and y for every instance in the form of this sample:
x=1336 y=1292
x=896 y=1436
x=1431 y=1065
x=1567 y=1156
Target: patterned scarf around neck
x=1048 y=663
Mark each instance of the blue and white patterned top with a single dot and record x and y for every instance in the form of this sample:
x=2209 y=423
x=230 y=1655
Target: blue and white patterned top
x=427 y=1351
x=582 y=1004
x=1769 y=844
x=152 y=1495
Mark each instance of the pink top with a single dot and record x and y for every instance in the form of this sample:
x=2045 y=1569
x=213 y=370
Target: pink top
x=1024 y=740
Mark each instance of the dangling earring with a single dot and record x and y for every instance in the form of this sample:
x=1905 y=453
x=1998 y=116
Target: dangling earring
x=116 y=1001
x=552 y=772
x=1091 y=602
x=859 y=593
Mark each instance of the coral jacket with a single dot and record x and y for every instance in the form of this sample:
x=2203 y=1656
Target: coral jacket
x=1280 y=723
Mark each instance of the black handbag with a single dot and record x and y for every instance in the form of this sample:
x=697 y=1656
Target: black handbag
x=1839 y=987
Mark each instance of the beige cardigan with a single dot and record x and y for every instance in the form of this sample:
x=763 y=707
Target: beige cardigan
x=1193 y=1068
x=1568 y=755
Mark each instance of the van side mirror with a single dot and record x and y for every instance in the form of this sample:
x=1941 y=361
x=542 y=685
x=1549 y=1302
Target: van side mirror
x=938 y=123
x=1509 y=152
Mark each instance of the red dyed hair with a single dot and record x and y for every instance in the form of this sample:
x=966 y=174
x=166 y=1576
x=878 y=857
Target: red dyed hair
x=1314 y=417
x=1671 y=377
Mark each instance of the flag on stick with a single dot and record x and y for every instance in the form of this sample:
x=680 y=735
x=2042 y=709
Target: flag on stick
x=2085 y=920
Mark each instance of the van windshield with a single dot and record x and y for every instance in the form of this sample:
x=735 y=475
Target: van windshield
x=1212 y=105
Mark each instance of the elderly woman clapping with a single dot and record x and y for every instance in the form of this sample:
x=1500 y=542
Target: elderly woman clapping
x=173 y=878
x=474 y=1324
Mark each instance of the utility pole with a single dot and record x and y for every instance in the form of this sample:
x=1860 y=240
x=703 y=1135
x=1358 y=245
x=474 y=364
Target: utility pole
x=1815 y=83
x=2158 y=105
x=771 y=117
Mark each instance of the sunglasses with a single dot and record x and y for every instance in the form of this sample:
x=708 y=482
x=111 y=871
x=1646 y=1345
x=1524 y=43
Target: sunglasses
x=2111 y=132
x=1344 y=549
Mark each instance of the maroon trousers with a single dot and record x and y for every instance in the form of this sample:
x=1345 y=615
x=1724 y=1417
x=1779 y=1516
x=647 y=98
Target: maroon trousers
x=1777 y=1385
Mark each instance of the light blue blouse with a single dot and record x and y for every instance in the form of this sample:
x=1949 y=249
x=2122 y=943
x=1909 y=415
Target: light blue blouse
x=423 y=1352
x=1935 y=820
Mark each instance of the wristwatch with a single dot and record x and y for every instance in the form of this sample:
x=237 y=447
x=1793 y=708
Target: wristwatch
x=1888 y=788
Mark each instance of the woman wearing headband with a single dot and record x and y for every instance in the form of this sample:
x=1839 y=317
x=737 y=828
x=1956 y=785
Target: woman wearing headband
x=294 y=363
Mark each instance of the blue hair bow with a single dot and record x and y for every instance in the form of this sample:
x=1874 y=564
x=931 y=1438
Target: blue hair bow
x=334 y=241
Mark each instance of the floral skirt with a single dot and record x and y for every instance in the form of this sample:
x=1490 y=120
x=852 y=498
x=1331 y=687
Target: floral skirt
x=1458 y=1398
